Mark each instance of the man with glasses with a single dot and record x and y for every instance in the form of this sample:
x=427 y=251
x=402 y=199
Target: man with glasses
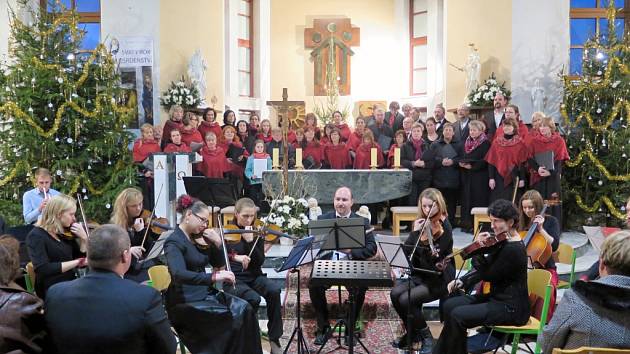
x=251 y=282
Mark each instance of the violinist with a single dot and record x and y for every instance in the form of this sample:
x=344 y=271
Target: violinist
x=530 y=208
x=206 y=320
x=424 y=287
x=56 y=245
x=505 y=266
x=251 y=282
x=34 y=201
x=127 y=213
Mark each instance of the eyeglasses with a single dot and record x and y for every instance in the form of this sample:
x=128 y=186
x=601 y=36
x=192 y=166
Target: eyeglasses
x=203 y=220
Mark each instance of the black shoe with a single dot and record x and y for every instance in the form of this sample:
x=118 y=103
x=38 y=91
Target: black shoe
x=427 y=341
x=346 y=340
x=401 y=342
x=321 y=336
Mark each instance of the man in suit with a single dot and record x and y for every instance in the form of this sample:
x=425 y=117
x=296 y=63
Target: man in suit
x=343 y=209
x=439 y=113
x=495 y=118
x=460 y=127
x=104 y=313
x=383 y=133
x=394 y=118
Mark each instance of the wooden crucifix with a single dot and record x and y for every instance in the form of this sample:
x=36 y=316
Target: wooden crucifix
x=331 y=40
x=283 y=107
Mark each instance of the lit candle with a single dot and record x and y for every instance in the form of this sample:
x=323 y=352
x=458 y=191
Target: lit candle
x=298 y=158
x=397 y=158
x=276 y=158
x=374 y=160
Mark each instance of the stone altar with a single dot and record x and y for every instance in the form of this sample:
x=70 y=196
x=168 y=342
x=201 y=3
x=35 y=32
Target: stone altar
x=368 y=186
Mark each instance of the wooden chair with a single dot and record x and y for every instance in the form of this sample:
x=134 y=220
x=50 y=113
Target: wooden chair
x=589 y=350
x=402 y=213
x=567 y=255
x=539 y=283
x=479 y=215
x=161 y=279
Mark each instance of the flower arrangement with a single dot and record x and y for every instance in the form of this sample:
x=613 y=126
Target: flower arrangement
x=484 y=94
x=182 y=94
x=290 y=214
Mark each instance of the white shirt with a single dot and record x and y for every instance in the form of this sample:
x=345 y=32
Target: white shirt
x=336 y=254
x=497 y=118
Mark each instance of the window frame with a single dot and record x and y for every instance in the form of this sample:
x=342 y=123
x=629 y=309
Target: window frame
x=415 y=42
x=84 y=17
x=597 y=13
x=249 y=44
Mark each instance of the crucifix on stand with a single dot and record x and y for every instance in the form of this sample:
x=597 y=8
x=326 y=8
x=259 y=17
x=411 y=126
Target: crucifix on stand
x=283 y=107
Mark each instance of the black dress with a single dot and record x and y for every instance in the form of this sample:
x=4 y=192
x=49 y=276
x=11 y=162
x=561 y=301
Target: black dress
x=474 y=182
x=47 y=254
x=420 y=176
x=506 y=304
x=206 y=320
x=550 y=187
x=138 y=271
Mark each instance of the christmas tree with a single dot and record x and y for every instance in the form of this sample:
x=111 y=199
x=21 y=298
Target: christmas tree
x=596 y=112
x=60 y=108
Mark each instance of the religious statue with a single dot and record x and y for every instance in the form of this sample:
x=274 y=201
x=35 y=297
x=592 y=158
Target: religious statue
x=539 y=100
x=472 y=69
x=197 y=72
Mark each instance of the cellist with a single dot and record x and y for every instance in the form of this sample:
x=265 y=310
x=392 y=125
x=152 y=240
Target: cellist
x=530 y=208
x=425 y=287
x=506 y=268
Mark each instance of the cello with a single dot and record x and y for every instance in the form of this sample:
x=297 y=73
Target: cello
x=538 y=249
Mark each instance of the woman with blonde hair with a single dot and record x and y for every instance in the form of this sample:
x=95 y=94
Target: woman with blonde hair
x=56 y=245
x=424 y=287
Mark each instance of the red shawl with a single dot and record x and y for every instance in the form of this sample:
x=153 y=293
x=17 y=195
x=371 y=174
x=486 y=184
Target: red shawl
x=143 y=148
x=345 y=131
x=390 y=155
x=183 y=147
x=355 y=140
x=523 y=131
x=168 y=126
x=191 y=136
x=266 y=139
x=315 y=150
x=363 y=157
x=506 y=155
x=291 y=136
x=214 y=163
x=205 y=127
x=539 y=143
x=262 y=155
x=337 y=156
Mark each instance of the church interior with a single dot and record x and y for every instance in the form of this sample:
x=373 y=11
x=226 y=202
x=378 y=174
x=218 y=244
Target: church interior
x=269 y=176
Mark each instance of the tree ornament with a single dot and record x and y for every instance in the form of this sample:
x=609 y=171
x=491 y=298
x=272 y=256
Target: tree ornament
x=107 y=206
x=601 y=183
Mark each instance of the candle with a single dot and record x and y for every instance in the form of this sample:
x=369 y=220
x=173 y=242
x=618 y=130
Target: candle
x=397 y=158
x=298 y=158
x=374 y=160
x=276 y=158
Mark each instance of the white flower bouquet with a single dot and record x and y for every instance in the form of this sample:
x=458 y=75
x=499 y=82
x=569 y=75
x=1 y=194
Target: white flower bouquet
x=182 y=94
x=290 y=214
x=484 y=94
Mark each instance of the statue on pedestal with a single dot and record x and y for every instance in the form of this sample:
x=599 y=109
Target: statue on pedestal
x=539 y=100
x=197 y=72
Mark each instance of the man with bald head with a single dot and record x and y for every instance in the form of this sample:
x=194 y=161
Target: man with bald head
x=460 y=128
x=342 y=202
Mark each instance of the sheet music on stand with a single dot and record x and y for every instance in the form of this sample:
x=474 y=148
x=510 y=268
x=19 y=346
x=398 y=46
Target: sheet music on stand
x=305 y=251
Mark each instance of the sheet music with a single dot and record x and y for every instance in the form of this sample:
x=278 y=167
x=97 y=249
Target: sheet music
x=260 y=165
x=394 y=254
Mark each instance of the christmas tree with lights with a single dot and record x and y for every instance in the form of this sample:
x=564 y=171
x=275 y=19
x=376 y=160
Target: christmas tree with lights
x=596 y=114
x=60 y=108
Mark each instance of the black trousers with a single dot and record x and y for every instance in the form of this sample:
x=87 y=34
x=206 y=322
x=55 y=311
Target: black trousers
x=251 y=291
x=462 y=312
x=416 y=188
x=450 y=197
x=318 y=299
x=420 y=294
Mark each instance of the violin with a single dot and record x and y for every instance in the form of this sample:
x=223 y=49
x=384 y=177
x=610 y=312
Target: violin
x=432 y=229
x=157 y=225
x=476 y=248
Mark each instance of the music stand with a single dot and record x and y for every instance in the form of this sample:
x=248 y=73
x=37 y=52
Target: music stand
x=396 y=257
x=216 y=192
x=304 y=252
x=340 y=234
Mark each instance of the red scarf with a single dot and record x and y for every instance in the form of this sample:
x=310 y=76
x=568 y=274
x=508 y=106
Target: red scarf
x=262 y=155
x=541 y=143
x=506 y=154
x=471 y=144
x=417 y=145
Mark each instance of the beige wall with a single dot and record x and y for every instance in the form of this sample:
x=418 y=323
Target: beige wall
x=375 y=73
x=487 y=24
x=183 y=29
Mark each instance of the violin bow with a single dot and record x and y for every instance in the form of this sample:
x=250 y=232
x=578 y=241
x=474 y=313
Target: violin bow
x=424 y=226
x=225 y=253
x=518 y=180
x=85 y=223
x=148 y=226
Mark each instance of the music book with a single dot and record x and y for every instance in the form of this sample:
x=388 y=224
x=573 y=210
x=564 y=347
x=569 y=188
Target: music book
x=545 y=159
x=384 y=141
x=449 y=152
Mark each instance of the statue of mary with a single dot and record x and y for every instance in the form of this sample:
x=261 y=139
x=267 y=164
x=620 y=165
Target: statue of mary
x=197 y=72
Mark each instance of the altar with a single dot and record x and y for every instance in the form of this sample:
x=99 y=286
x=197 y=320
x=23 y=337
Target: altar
x=368 y=186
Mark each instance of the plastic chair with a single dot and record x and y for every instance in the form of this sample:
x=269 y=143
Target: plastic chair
x=589 y=350
x=539 y=283
x=160 y=277
x=567 y=255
